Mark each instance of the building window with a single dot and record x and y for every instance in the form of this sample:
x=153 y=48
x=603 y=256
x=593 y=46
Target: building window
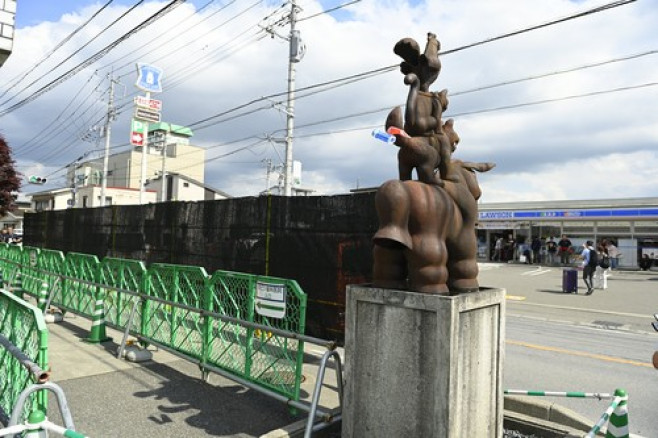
x=84 y=201
x=185 y=184
x=108 y=200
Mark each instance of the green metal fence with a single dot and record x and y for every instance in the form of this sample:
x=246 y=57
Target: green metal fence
x=79 y=289
x=122 y=277
x=176 y=322
x=29 y=270
x=22 y=325
x=181 y=308
x=257 y=355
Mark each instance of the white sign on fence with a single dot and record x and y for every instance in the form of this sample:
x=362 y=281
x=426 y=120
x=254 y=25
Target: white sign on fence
x=270 y=300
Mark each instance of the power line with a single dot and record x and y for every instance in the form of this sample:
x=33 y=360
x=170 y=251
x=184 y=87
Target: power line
x=98 y=55
x=75 y=52
x=18 y=78
x=329 y=11
x=377 y=71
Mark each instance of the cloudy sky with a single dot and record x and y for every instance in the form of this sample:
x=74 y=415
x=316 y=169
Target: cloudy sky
x=566 y=107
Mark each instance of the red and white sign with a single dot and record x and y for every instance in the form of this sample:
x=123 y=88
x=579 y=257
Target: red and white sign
x=137 y=139
x=144 y=102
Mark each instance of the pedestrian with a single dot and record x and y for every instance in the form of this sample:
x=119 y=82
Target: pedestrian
x=600 y=281
x=12 y=237
x=536 y=249
x=565 y=248
x=551 y=249
x=645 y=262
x=498 y=247
x=589 y=263
x=613 y=253
x=4 y=236
x=509 y=248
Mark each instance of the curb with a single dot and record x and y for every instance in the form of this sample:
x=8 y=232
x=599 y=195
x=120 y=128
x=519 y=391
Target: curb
x=525 y=414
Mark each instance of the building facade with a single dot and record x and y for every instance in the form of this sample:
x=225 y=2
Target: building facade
x=7 y=25
x=168 y=153
x=631 y=224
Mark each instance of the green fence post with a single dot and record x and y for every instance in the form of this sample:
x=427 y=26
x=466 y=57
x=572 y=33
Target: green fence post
x=249 y=347
x=145 y=313
x=618 y=423
x=206 y=338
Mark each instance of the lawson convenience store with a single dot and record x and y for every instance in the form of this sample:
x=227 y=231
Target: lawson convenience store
x=631 y=223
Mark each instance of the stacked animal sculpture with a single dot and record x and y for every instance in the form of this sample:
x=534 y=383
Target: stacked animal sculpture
x=426 y=241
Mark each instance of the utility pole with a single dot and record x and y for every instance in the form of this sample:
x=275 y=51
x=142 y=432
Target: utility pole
x=142 y=174
x=163 y=175
x=294 y=56
x=268 y=163
x=108 y=128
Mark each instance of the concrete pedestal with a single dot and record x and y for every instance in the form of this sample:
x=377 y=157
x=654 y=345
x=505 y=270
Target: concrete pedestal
x=420 y=365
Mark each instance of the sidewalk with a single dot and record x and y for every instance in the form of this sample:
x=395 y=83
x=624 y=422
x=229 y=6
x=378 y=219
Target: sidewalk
x=164 y=397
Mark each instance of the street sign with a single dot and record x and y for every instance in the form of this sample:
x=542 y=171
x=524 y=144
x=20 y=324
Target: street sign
x=145 y=102
x=137 y=133
x=149 y=78
x=147 y=115
x=137 y=139
x=270 y=300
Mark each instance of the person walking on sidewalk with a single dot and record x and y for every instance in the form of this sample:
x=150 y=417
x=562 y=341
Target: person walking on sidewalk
x=589 y=264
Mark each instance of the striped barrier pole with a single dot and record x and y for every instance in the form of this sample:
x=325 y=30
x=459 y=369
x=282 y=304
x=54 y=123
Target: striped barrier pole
x=43 y=296
x=604 y=418
x=618 y=423
x=97 y=333
x=571 y=394
x=37 y=426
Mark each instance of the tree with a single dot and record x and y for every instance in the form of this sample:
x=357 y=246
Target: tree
x=10 y=180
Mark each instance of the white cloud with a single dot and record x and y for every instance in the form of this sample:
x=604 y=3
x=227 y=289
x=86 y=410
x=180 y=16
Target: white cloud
x=540 y=150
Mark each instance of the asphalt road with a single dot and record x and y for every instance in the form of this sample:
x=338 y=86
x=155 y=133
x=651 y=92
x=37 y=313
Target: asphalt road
x=557 y=341
x=549 y=356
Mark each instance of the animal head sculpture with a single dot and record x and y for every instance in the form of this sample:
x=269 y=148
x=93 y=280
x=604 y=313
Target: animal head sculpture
x=425 y=66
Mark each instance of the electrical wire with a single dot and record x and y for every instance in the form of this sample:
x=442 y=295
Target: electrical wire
x=21 y=76
x=329 y=11
x=75 y=52
x=384 y=69
x=98 y=55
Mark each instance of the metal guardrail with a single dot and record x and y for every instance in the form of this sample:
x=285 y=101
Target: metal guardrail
x=181 y=308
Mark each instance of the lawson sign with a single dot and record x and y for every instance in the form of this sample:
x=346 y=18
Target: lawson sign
x=626 y=213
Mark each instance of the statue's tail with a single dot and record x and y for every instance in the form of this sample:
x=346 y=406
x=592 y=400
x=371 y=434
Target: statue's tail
x=395 y=118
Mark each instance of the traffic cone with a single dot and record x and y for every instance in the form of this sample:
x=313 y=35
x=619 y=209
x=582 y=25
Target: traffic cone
x=618 y=423
x=97 y=333
x=43 y=296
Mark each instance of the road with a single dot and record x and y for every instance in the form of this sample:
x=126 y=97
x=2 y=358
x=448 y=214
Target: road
x=568 y=342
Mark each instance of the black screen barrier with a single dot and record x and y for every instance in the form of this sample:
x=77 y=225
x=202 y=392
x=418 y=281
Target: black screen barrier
x=323 y=242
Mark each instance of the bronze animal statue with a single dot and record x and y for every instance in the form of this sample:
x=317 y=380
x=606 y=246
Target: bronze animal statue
x=430 y=148
x=426 y=240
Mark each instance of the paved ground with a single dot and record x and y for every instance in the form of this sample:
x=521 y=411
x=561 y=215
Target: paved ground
x=164 y=397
